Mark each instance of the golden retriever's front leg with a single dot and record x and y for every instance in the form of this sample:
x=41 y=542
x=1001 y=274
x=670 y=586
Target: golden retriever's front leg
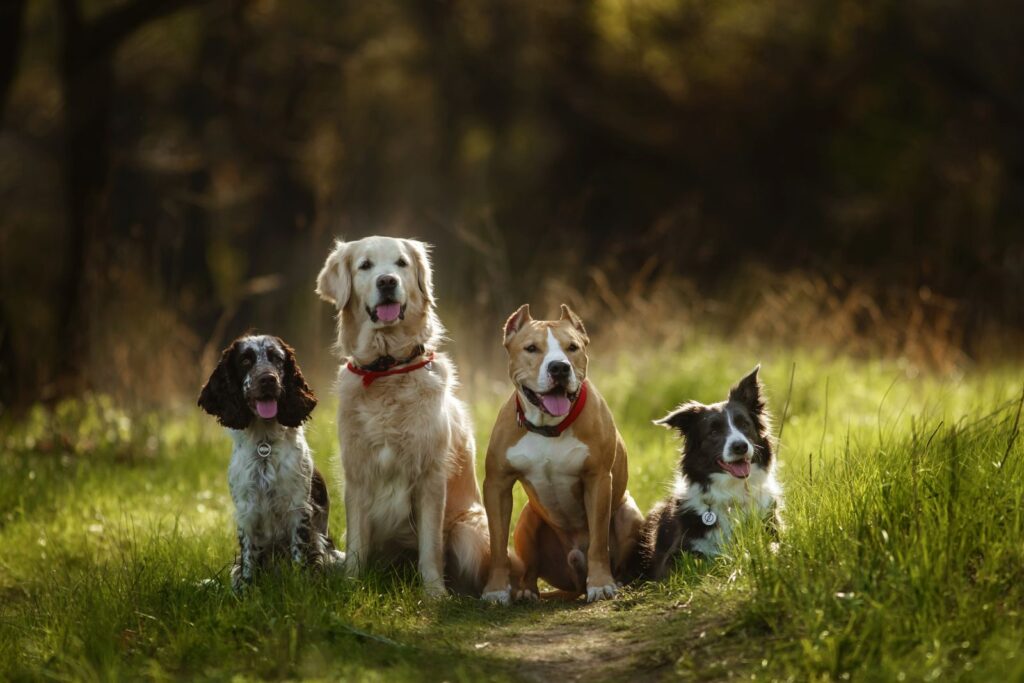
x=357 y=531
x=498 y=503
x=597 y=497
x=430 y=503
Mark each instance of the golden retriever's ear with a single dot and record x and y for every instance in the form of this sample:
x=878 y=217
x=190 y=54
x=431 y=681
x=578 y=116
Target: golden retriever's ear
x=334 y=284
x=575 y=321
x=424 y=276
x=516 y=321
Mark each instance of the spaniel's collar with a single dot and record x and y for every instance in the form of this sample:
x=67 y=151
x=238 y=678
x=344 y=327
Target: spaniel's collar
x=553 y=430
x=388 y=365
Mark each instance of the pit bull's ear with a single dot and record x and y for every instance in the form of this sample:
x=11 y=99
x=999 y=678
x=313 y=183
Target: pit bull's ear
x=424 y=278
x=334 y=284
x=516 y=321
x=749 y=392
x=576 y=321
x=683 y=418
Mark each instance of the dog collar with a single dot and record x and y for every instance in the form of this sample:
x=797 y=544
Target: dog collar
x=385 y=366
x=553 y=430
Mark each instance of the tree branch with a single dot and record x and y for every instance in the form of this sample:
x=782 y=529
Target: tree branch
x=112 y=28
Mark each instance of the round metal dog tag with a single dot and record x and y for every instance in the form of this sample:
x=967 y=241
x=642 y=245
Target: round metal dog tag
x=263 y=449
x=709 y=518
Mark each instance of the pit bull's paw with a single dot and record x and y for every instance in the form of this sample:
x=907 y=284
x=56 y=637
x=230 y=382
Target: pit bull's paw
x=528 y=595
x=605 y=592
x=501 y=597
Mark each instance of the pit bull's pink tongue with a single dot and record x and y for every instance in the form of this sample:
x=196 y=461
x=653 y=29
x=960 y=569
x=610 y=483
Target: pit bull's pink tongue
x=388 y=312
x=267 y=409
x=739 y=469
x=556 y=404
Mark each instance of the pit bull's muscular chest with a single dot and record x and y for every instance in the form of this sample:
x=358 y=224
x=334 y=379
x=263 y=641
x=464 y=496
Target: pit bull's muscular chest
x=551 y=470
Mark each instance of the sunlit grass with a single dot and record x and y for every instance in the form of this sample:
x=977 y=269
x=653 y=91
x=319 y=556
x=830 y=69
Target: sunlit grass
x=903 y=552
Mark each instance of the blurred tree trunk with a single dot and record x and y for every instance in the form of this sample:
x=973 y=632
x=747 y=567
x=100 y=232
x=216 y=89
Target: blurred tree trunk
x=11 y=15
x=87 y=50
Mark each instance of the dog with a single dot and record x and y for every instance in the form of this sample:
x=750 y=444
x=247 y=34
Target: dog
x=407 y=447
x=258 y=392
x=556 y=436
x=726 y=468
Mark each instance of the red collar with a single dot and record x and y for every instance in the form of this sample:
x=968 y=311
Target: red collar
x=553 y=430
x=370 y=376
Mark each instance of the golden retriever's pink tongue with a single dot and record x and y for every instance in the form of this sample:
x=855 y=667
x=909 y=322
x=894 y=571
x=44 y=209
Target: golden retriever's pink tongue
x=388 y=312
x=556 y=404
x=739 y=469
x=267 y=409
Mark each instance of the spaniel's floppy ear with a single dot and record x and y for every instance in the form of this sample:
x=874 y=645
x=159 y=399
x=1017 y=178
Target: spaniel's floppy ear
x=222 y=396
x=297 y=399
x=683 y=418
x=749 y=392
x=575 y=321
x=424 y=275
x=516 y=321
x=334 y=283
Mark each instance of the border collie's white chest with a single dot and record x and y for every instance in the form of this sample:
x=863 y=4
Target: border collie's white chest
x=551 y=469
x=728 y=499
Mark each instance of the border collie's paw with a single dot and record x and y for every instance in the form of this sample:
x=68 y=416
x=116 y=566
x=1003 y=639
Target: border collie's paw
x=501 y=597
x=605 y=592
x=528 y=595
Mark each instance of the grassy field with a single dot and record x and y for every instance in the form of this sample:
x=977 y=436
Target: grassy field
x=902 y=559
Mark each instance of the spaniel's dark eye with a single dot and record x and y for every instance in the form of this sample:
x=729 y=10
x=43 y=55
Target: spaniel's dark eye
x=366 y=265
x=401 y=262
x=532 y=348
x=573 y=347
x=247 y=360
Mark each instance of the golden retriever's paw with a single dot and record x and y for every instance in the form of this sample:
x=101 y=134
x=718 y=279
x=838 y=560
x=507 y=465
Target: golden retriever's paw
x=435 y=589
x=605 y=592
x=528 y=595
x=500 y=597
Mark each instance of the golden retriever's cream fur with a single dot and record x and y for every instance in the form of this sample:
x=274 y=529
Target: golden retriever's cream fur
x=407 y=446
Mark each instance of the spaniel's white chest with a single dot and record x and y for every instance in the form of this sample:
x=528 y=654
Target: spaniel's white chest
x=552 y=469
x=269 y=482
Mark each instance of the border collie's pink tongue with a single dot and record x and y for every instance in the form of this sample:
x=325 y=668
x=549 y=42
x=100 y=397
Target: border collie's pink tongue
x=556 y=404
x=388 y=312
x=267 y=409
x=739 y=469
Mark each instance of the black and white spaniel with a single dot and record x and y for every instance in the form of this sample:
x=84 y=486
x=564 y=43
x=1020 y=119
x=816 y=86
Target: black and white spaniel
x=281 y=504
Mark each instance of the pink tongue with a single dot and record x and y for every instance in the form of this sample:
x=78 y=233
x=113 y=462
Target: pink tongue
x=388 y=312
x=266 y=409
x=556 y=404
x=739 y=469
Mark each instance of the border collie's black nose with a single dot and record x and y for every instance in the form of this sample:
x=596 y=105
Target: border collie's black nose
x=559 y=370
x=739 y=447
x=387 y=283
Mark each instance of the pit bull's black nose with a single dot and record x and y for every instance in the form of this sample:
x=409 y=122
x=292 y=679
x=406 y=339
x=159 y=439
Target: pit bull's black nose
x=387 y=283
x=739 y=447
x=559 y=370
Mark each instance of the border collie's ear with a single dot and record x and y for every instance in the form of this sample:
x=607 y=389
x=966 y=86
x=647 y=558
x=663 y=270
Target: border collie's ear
x=576 y=321
x=516 y=321
x=297 y=399
x=682 y=418
x=334 y=283
x=748 y=391
x=222 y=395
x=424 y=276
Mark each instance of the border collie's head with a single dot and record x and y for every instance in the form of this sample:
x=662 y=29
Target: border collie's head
x=728 y=437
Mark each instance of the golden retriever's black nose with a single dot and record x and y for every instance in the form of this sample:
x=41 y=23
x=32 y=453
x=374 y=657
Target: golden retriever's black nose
x=387 y=283
x=559 y=370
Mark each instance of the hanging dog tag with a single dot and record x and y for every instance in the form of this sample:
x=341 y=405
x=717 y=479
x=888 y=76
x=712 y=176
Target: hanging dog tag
x=263 y=449
x=709 y=518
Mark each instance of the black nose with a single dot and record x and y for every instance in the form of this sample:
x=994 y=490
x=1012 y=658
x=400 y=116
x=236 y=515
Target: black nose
x=739 y=447
x=559 y=370
x=387 y=283
x=268 y=382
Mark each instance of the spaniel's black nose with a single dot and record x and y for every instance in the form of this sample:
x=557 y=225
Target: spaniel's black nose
x=387 y=283
x=268 y=382
x=739 y=447
x=559 y=370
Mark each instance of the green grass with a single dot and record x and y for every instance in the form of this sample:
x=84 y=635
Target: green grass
x=902 y=557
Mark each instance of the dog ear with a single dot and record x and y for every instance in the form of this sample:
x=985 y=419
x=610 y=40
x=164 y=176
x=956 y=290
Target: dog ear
x=576 y=321
x=516 y=321
x=297 y=399
x=749 y=392
x=683 y=418
x=222 y=396
x=424 y=274
x=334 y=283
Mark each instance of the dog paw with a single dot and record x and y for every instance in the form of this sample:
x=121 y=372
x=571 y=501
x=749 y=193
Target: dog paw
x=501 y=597
x=605 y=592
x=435 y=589
x=528 y=595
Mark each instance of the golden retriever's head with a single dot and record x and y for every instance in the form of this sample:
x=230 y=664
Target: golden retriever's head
x=547 y=359
x=382 y=287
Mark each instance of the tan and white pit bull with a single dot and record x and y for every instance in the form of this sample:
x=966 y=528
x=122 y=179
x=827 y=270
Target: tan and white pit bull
x=557 y=437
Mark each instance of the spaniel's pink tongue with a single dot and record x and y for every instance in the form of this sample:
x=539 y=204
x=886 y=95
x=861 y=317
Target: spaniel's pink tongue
x=388 y=312
x=739 y=469
x=556 y=404
x=267 y=409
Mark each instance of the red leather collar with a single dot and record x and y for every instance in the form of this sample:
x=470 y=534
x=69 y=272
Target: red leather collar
x=371 y=376
x=553 y=430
